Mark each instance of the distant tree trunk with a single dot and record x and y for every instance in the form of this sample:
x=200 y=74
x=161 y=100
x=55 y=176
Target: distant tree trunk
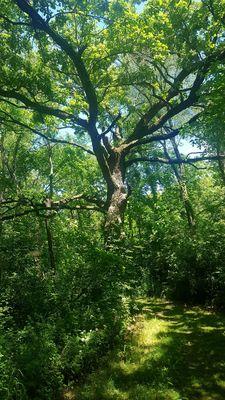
x=49 y=213
x=130 y=224
x=50 y=244
x=3 y=174
x=79 y=220
x=187 y=203
x=221 y=164
x=179 y=174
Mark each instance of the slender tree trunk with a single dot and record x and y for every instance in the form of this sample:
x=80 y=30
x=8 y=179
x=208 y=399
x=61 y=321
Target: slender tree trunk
x=221 y=165
x=3 y=174
x=187 y=204
x=49 y=213
x=50 y=244
x=130 y=224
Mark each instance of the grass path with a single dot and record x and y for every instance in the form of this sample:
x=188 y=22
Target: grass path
x=175 y=353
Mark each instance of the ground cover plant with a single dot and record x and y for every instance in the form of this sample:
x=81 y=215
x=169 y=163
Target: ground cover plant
x=174 y=352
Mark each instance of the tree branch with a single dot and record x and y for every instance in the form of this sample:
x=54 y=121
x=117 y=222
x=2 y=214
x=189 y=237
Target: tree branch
x=153 y=138
x=35 y=210
x=111 y=126
x=16 y=23
x=46 y=205
x=42 y=109
x=172 y=161
x=42 y=135
x=143 y=129
x=75 y=57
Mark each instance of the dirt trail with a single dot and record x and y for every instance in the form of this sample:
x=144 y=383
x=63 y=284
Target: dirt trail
x=175 y=353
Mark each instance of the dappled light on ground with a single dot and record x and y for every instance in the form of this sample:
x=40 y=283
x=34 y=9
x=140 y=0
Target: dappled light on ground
x=176 y=353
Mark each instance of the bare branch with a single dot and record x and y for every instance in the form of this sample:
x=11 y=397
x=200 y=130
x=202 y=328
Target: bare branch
x=71 y=208
x=46 y=205
x=153 y=138
x=172 y=161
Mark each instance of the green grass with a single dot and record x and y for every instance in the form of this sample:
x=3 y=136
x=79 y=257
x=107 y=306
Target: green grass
x=174 y=353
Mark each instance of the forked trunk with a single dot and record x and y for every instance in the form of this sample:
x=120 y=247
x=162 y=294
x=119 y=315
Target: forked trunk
x=112 y=163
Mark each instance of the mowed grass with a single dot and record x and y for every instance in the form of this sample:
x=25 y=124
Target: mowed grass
x=174 y=353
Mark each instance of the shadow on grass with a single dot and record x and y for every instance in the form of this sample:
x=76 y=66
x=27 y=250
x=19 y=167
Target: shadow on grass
x=177 y=353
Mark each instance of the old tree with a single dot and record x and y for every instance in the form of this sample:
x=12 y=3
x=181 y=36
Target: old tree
x=116 y=79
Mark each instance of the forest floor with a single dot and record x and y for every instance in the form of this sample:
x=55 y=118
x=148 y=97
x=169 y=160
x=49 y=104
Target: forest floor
x=172 y=353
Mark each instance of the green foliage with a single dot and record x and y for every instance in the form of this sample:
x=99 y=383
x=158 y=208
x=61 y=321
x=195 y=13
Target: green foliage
x=179 y=263
x=57 y=323
x=66 y=295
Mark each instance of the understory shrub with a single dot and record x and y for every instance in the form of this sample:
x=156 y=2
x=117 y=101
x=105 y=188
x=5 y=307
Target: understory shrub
x=58 y=322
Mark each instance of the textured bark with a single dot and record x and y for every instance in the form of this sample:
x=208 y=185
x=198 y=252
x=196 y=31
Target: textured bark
x=115 y=213
x=116 y=199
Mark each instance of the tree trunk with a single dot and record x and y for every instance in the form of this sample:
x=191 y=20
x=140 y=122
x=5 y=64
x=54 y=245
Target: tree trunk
x=187 y=204
x=180 y=177
x=117 y=196
x=50 y=244
x=112 y=163
x=115 y=214
x=221 y=164
x=49 y=213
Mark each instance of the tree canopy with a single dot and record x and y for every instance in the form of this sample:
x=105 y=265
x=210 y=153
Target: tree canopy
x=113 y=79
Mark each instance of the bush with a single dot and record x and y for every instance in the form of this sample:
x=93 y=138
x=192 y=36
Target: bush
x=58 y=323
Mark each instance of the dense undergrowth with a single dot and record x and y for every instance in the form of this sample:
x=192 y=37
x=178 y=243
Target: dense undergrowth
x=57 y=323
x=59 y=315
